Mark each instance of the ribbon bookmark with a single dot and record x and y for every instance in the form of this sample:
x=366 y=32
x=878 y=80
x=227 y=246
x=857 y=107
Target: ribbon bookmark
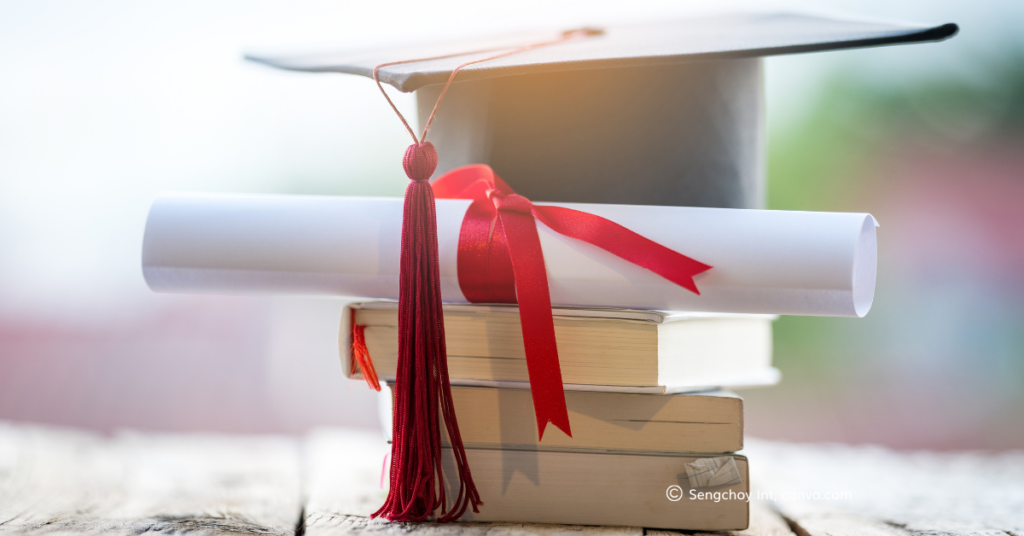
x=500 y=261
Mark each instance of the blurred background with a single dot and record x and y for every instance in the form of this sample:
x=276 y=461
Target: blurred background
x=106 y=103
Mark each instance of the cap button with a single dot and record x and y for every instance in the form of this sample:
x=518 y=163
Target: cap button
x=420 y=161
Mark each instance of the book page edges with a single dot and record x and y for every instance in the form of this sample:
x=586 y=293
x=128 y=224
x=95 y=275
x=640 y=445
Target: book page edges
x=769 y=376
x=612 y=313
x=765 y=377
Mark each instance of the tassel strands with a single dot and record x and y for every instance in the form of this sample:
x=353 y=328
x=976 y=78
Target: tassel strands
x=422 y=390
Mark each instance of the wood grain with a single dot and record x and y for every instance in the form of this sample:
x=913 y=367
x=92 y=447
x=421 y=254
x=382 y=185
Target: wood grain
x=59 y=481
x=353 y=525
x=887 y=493
x=66 y=482
x=764 y=521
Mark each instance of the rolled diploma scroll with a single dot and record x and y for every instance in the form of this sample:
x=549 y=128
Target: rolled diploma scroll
x=764 y=261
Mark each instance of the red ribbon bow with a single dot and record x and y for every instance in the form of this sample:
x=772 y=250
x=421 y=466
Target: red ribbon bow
x=500 y=261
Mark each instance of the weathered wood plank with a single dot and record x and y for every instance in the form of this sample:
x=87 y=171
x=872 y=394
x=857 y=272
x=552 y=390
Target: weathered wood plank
x=840 y=490
x=342 y=472
x=343 y=487
x=56 y=481
x=764 y=521
x=354 y=525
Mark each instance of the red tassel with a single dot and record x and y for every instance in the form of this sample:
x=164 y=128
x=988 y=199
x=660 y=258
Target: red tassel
x=422 y=389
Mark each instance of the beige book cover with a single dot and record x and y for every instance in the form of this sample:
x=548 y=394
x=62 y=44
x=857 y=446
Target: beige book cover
x=504 y=418
x=651 y=491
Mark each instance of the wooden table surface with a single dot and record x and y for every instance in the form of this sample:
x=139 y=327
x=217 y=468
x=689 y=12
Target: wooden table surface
x=59 y=481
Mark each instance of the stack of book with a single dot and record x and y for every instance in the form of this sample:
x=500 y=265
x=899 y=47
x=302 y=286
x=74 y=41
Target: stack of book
x=654 y=438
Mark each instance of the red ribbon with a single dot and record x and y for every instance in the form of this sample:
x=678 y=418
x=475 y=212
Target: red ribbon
x=500 y=261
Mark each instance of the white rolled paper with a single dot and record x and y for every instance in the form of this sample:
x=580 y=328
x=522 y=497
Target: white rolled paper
x=764 y=261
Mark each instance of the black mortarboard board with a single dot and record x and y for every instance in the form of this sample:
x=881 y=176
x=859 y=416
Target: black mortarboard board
x=667 y=113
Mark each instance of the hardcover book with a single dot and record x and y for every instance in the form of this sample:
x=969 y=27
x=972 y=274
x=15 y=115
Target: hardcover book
x=633 y=490
x=598 y=349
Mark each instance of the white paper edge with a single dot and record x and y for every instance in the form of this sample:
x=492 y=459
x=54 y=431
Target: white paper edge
x=865 y=267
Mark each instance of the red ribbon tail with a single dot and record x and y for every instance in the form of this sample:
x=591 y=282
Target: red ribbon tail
x=622 y=242
x=537 y=322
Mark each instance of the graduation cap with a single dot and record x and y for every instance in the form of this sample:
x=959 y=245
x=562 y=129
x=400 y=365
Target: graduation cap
x=667 y=113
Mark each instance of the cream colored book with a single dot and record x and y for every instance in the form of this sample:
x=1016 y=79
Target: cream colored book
x=504 y=418
x=598 y=349
x=652 y=491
